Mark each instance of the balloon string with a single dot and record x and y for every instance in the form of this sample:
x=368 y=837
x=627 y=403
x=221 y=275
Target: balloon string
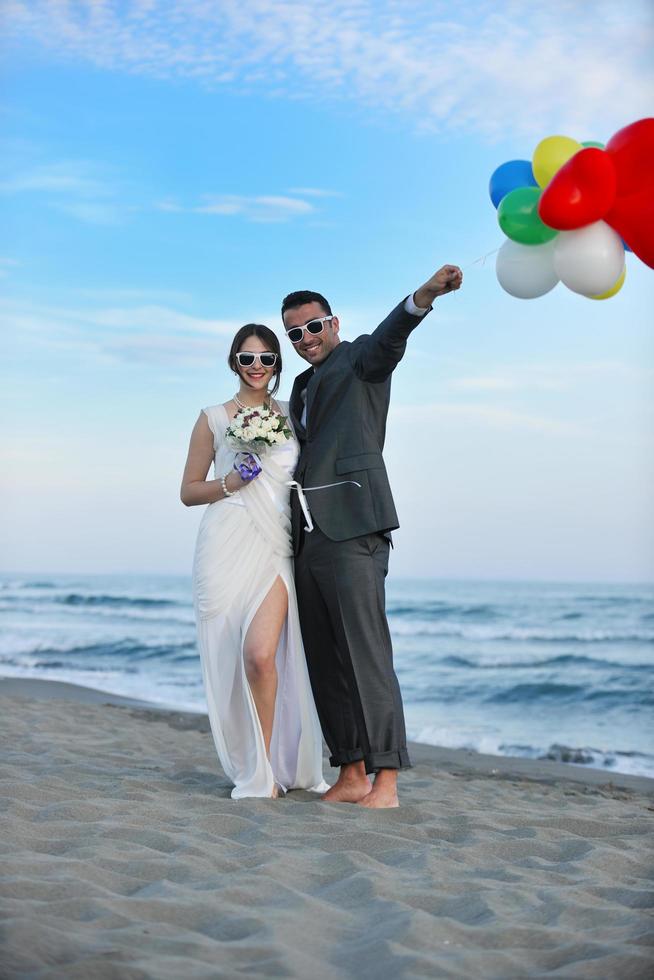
x=481 y=260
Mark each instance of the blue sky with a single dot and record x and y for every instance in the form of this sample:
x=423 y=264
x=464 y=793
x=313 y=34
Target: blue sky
x=170 y=170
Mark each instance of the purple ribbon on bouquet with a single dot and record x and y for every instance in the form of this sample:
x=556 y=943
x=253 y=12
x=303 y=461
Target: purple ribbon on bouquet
x=248 y=467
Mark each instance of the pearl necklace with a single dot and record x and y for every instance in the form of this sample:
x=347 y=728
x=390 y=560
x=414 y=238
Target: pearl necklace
x=240 y=404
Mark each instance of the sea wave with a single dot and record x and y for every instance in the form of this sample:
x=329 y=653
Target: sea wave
x=437 y=608
x=91 y=599
x=15 y=584
x=126 y=649
x=405 y=628
x=563 y=660
x=551 y=690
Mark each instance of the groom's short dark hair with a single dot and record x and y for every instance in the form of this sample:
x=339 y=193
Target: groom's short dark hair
x=303 y=296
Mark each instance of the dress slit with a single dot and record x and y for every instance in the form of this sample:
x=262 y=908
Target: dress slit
x=283 y=636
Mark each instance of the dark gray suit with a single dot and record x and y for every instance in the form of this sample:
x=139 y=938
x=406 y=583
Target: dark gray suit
x=340 y=566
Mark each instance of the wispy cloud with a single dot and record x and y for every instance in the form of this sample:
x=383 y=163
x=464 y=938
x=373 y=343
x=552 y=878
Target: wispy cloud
x=314 y=192
x=148 y=333
x=73 y=186
x=262 y=208
x=6 y=265
x=92 y=212
x=142 y=296
x=482 y=66
x=485 y=416
x=549 y=377
x=65 y=177
x=265 y=208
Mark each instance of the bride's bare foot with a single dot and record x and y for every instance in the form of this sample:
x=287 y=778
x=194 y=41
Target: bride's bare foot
x=383 y=794
x=275 y=792
x=351 y=786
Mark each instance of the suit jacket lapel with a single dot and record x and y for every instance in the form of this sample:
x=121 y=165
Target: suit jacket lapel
x=296 y=405
x=312 y=387
x=318 y=374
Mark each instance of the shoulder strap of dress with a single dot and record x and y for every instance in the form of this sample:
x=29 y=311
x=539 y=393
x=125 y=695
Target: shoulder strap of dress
x=218 y=421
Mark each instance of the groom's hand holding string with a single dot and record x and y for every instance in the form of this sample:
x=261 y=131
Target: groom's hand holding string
x=446 y=280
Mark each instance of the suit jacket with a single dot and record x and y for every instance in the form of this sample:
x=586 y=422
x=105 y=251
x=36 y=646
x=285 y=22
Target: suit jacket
x=347 y=404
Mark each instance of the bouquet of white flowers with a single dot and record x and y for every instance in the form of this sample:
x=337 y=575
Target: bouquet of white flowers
x=257 y=429
x=252 y=432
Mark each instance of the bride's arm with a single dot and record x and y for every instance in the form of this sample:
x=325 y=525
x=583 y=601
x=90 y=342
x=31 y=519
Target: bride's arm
x=196 y=489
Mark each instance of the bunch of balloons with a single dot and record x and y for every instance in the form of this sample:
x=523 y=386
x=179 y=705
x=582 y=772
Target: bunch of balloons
x=571 y=212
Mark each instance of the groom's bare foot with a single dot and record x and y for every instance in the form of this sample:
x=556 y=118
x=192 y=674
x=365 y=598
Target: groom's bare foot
x=383 y=794
x=351 y=786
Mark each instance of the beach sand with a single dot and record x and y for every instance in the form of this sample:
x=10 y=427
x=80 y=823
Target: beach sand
x=124 y=857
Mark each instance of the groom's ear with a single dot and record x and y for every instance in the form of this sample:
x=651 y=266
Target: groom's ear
x=335 y=324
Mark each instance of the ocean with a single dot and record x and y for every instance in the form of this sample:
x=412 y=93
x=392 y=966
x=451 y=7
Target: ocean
x=539 y=670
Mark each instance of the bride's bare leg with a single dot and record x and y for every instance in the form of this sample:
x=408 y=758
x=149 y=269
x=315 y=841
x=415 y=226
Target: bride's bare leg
x=259 y=652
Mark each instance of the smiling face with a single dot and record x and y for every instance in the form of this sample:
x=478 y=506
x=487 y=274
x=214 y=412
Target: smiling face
x=314 y=348
x=255 y=377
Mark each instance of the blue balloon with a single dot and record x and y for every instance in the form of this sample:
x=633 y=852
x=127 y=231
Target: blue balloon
x=508 y=177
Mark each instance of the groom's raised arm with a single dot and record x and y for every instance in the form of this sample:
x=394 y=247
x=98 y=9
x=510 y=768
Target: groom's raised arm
x=376 y=355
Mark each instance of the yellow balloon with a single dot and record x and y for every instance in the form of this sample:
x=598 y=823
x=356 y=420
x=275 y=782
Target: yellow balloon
x=614 y=289
x=550 y=155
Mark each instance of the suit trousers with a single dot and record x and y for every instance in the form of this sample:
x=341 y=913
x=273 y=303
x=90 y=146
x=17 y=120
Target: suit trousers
x=340 y=590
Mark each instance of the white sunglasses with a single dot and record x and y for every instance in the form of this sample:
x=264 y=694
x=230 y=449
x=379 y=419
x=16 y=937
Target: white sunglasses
x=295 y=334
x=246 y=358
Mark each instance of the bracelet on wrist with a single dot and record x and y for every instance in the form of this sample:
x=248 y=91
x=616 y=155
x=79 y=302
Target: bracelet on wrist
x=228 y=493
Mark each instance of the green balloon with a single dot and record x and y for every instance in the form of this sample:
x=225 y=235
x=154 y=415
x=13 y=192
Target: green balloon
x=519 y=219
x=600 y=146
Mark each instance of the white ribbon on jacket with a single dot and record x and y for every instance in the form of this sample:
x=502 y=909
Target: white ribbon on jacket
x=294 y=485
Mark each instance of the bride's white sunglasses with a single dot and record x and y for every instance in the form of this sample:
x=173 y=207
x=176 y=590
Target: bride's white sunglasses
x=266 y=359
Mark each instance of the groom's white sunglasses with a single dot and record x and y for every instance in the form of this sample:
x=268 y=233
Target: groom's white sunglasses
x=295 y=334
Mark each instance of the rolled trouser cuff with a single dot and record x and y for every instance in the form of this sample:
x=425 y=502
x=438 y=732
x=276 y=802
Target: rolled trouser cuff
x=344 y=756
x=398 y=759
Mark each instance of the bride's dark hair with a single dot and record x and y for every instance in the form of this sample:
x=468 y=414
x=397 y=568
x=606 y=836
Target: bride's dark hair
x=267 y=337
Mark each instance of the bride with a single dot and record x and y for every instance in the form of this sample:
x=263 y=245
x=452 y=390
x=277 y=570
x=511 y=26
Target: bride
x=263 y=718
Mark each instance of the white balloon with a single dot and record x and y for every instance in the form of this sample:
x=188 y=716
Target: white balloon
x=589 y=260
x=526 y=271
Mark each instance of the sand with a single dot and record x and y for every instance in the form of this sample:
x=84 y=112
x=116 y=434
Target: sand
x=124 y=857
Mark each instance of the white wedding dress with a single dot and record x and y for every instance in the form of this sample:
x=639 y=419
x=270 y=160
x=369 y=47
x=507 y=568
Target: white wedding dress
x=243 y=544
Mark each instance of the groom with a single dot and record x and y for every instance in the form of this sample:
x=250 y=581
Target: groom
x=339 y=407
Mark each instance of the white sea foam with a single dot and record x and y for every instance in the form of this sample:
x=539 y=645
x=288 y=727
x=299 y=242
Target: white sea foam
x=633 y=763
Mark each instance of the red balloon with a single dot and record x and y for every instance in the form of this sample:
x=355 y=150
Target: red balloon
x=632 y=152
x=632 y=214
x=632 y=217
x=581 y=192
